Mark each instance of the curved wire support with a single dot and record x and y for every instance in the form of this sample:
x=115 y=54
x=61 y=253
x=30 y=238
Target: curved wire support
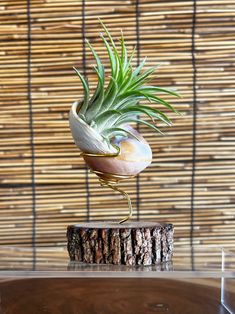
x=112 y=186
x=110 y=180
x=102 y=155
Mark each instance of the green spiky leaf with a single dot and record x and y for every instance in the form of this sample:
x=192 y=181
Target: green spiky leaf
x=86 y=92
x=118 y=130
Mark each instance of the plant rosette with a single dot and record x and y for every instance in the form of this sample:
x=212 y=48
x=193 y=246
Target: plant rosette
x=101 y=124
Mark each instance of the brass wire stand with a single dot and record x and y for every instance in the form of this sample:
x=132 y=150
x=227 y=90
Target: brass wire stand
x=112 y=185
x=111 y=180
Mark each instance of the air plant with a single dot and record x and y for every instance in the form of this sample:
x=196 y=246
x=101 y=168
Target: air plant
x=101 y=123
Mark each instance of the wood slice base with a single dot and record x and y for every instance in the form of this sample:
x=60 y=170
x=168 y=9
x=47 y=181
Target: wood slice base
x=131 y=243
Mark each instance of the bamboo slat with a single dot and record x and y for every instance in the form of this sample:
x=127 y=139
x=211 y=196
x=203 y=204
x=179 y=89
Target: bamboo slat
x=40 y=165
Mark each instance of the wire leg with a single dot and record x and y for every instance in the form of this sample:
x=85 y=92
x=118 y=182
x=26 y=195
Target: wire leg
x=125 y=195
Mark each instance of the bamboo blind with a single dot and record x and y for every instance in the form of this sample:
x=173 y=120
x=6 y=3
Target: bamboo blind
x=44 y=184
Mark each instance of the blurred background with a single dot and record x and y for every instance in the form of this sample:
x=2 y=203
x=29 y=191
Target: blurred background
x=45 y=185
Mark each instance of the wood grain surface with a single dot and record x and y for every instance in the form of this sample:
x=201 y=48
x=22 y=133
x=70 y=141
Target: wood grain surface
x=106 y=296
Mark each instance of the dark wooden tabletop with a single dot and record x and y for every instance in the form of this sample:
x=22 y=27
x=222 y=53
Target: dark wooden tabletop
x=108 y=296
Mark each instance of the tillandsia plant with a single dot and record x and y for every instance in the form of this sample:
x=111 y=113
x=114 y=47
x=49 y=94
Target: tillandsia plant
x=100 y=123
